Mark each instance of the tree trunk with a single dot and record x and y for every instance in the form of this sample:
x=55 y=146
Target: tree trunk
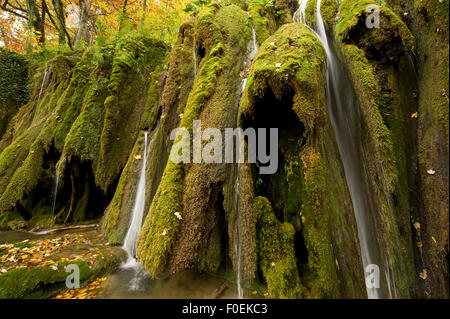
x=85 y=7
x=144 y=11
x=124 y=12
x=35 y=21
x=60 y=20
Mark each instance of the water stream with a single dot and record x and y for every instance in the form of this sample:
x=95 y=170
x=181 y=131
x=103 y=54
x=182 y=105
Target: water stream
x=131 y=239
x=344 y=116
x=194 y=60
x=299 y=15
x=44 y=81
x=55 y=192
x=252 y=50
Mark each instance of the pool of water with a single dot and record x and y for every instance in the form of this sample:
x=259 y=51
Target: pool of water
x=135 y=283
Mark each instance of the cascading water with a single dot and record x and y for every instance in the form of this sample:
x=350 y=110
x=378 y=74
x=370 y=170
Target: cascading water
x=251 y=55
x=194 y=61
x=44 y=82
x=343 y=112
x=299 y=15
x=131 y=239
x=55 y=192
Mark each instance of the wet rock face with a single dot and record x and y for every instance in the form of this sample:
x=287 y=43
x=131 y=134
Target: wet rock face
x=87 y=111
x=384 y=38
x=285 y=85
x=384 y=46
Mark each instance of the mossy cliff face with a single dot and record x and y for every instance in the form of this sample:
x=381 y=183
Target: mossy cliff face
x=131 y=69
x=167 y=97
x=194 y=190
x=268 y=15
x=59 y=131
x=306 y=204
x=429 y=22
x=377 y=60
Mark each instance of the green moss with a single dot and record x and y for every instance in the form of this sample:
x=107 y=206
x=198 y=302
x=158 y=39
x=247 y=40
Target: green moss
x=328 y=10
x=263 y=18
x=276 y=253
x=388 y=42
x=27 y=176
x=11 y=220
x=41 y=221
x=20 y=282
x=134 y=59
x=160 y=227
x=13 y=85
x=221 y=36
x=293 y=59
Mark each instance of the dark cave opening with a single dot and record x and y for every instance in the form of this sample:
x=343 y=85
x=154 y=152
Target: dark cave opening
x=201 y=52
x=79 y=196
x=78 y=199
x=284 y=188
x=218 y=228
x=40 y=199
x=389 y=51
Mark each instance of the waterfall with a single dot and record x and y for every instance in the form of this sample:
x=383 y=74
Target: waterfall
x=343 y=111
x=237 y=192
x=131 y=239
x=252 y=51
x=194 y=60
x=255 y=46
x=299 y=15
x=55 y=192
x=44 y=82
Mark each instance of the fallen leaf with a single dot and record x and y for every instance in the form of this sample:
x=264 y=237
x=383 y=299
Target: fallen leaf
x=423 y=274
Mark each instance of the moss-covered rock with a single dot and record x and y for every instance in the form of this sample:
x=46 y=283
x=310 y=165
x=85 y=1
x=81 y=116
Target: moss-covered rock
x=289 y=74
x=429 y=22
x=276 y=253
x=166 y=244
x=385 y=97
x=12 y=220
x=134 y=60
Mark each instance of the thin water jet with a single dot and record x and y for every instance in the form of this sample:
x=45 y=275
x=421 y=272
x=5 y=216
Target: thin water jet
x=252 y=51
x=299 y=15
x=55 y=193
x=131 y=239
x=343 y=110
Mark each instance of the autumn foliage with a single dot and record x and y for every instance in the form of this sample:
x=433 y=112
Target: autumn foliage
x=34 y=25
